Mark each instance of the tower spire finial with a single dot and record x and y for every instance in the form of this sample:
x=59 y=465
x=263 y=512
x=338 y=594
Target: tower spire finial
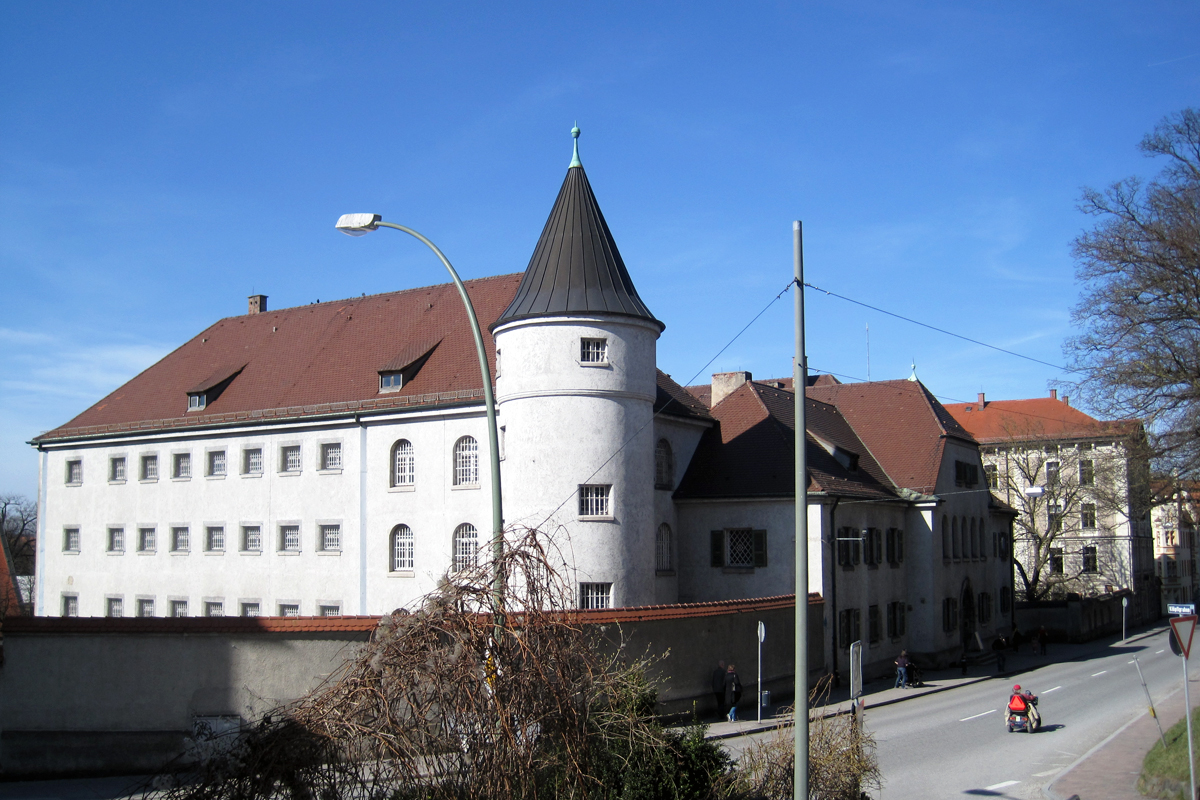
x=575 y=162
x=913 y=377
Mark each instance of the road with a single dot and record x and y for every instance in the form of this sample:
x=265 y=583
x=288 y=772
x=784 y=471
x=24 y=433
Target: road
x=954 y=743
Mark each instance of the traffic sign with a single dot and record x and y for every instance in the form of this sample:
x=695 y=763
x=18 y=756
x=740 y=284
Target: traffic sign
x=1181 y=608
x=762 y=632
x=1182 y=629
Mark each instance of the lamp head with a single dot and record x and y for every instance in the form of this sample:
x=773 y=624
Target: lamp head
x=358 y=224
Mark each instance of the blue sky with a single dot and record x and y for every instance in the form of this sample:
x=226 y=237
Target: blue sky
x=161 y=161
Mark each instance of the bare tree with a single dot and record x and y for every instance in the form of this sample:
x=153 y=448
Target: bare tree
x=1139 y=309
x=1073 y=498
x=18 y=536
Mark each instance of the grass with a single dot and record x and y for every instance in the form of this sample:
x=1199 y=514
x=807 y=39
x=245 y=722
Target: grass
x=1170 y=766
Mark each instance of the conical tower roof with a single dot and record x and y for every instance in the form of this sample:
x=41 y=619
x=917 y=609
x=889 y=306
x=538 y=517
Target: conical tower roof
x=576 y=267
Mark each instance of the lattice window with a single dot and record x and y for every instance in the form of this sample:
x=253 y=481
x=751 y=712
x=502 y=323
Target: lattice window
x=740 y=547
x=466 y=462
x=593 y=501
x=71 y=540
x=404 y=464
x=403 y=549
x=466 y=547
x=662 y=548
x=595 y=595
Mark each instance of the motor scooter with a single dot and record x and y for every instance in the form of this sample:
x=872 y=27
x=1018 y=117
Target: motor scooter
x=1021 y=720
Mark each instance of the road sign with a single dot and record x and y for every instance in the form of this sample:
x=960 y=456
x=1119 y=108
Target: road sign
x=762 y=632
x=1181 y=608
x=1182 y=629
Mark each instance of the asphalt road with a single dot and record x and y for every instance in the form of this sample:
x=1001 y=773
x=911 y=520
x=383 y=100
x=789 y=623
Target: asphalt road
x=955 y=743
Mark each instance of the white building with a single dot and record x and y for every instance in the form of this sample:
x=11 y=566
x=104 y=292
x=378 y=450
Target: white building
x=331 y=459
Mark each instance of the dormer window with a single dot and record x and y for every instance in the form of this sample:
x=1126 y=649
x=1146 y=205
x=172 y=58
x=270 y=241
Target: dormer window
x=391 y=381
x=197 y=401
x=208 y=390
x=847 y=459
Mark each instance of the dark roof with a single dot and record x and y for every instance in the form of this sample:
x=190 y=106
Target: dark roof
x=673 y=399
x=751 y=451
x=576 y=267
x=901 y=423
x=703 y=391
x=1034 y=419
x=310 y=360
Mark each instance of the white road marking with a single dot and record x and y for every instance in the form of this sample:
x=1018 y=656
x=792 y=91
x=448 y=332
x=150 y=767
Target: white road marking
x=1098 y=674
x=1156 y=652
x=1044 y=774
x=977 y=716
x=1131 y=662
x=1055 y=689
x=996 y=786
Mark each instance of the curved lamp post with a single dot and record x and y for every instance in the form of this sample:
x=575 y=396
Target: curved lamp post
x=361 y=224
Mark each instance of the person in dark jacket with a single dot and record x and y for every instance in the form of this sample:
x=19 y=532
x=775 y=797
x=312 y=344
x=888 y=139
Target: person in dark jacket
x=733 y=692
x=718 y=687
x=999 y=646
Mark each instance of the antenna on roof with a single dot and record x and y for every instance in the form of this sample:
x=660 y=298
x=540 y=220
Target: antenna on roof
x=912 y=377
x=575 y=162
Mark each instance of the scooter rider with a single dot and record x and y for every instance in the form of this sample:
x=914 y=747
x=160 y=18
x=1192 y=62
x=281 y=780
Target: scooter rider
x=1025 y=700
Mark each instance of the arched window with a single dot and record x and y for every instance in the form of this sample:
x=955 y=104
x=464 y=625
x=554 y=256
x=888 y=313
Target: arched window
x=954 y=540
x=466 y=546
x=664 y=465
x=402 y=549
x=404 y=464
x=662 y=548
x=945 y=538
x=466 y=462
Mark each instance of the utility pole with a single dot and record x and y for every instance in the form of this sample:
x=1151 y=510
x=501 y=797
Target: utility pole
x=800 y=384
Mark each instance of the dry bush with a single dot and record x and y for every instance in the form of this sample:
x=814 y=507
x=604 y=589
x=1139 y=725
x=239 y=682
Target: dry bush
x=841 y=759
x=453 y=700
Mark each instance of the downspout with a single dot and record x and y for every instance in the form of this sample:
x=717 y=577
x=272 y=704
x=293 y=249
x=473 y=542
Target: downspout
x=362 y=514
x=833 y=571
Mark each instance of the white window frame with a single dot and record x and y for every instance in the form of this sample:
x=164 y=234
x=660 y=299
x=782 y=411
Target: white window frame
x=175 y=605
x=595 y=501
x=148 y=468
x=114 y=603
x=118 y=468
x=329 y=537
x=70 y=605
x=248 y=546
x=326 y=453
x=214 y=605
x=330 y=609
x=214 y=460
x=593 y=351
x=185 y=538
x=144 y=604
x=595 y=596
x=114 y=539
x=285 y=537
x=391 y=381
x=402 y=550
x=247 y=459
x=214 y=538
x=287 y=464
x=250 y=608
x=289 y=609
x=465 y=548
x=403 y=467
x=72 y=535
x=465 y=462
x=181 y=466
x=197 y=401
x=74 y=472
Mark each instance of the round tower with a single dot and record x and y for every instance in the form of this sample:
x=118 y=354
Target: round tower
x=575 y=388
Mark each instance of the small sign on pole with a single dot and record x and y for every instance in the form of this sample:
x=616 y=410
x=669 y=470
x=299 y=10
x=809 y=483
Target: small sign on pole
x=1182 y=628
x=762 y=637
x=1181 y=608
x=855 y=670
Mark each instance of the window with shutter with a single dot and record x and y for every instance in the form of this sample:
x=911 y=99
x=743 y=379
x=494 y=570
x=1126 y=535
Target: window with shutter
x=717 y=546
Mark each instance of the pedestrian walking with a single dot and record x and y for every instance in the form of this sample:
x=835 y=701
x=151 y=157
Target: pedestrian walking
x=1042 y=637
x=733 y=692
x=718 y=687
x=999 y=645
x=902 y=670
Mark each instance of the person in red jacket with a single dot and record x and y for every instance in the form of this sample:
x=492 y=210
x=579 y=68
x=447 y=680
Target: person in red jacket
x=1025 y=701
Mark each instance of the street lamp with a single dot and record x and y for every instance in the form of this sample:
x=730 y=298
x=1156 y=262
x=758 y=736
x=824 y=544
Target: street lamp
x=362 y=224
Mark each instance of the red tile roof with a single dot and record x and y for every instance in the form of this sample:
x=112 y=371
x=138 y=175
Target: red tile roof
x=1034 y=419
x=902 y=425
x=323 y=359
x=751 y=452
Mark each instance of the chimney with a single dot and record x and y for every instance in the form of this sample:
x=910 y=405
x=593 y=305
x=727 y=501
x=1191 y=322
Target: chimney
x=1054 y=394
x=726 y=383
x=258 y=304
x=981 y=403
x=1066 y=400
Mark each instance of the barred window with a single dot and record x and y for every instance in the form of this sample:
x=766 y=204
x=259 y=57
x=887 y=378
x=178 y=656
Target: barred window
x=216 y=463
x=404 y=464
x=331 y=538
x=289 y=609
x=329 y=611
x=252 y=461
x=331 y=455
x=116 y=469
x=70 y=605
x=289 y=458
x=214 y=539
x=181 y=465
x=741 y=547
x=114 y=607
x=252 y=538
x=289 y=538
x=403 y=548
x=466 y=462
x=466 y=546
x=214 y=608
x=664 y=465
x=251 y=609
x=149 y=468
x=595 y=595
x=593 y=351
x=593 y=501
x=180 y=540
x=731 y=543
x=145 y=607
x=116 y=540
x=662 y=548
x=71 y=540
x=75 y=472
x=147 y=540
x=179 y=608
